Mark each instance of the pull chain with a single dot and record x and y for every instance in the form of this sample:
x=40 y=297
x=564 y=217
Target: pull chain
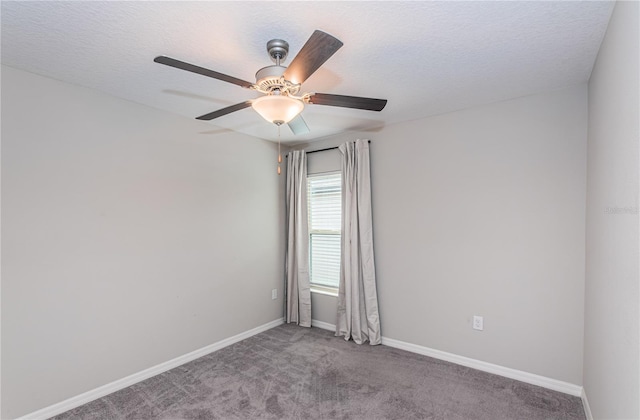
x=279 y=155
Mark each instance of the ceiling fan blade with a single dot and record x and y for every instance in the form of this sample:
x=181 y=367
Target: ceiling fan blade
x=369 y=104
x=298 y=125
x=201 y=70
x=318 y=49
x=224 y=111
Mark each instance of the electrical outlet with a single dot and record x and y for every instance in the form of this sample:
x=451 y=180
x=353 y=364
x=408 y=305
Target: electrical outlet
x=274 y=294
x=478 y=323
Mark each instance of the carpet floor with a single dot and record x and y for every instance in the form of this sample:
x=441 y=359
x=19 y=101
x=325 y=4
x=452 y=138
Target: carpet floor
x=291 y=372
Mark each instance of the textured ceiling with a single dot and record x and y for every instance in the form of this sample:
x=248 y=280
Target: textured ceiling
x=426 y=58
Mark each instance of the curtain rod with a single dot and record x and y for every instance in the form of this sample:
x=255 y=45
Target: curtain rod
x=328 y=148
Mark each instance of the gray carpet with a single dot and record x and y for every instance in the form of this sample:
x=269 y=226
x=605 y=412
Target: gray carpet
x=294 y=373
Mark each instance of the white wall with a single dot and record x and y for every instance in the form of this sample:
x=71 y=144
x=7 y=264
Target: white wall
x=128 y=238
x=611 y=349
x=482 y=212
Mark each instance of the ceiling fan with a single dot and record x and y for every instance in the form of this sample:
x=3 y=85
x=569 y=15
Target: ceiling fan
x=280 y=103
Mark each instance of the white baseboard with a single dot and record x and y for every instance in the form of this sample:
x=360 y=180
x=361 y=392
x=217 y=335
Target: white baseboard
x=323 y=325
x=94 y=394
x=585 y=404
x=518 y=375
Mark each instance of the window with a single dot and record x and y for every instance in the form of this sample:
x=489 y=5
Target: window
x=325 y=207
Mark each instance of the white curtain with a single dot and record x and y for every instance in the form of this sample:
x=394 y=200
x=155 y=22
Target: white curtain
x=358 y=316
x=298 y=294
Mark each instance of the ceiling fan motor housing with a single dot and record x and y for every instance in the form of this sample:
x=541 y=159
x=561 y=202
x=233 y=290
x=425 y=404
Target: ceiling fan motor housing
x=269 y=80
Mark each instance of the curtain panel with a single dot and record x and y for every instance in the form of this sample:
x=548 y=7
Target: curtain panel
x=298 y=294
x=358 y=316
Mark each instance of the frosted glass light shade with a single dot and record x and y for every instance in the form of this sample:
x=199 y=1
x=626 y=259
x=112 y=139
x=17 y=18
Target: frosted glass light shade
x=276 y=108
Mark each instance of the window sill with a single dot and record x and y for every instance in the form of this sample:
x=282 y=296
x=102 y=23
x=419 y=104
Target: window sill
x=323 y=290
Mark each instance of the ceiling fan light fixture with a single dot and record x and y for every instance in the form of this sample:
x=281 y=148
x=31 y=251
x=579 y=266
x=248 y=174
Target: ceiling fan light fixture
x=278 y=108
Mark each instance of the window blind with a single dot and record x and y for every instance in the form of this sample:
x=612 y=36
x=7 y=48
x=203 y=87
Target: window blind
x=325 y=205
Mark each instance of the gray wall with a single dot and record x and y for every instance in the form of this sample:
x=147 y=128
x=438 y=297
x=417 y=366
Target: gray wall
x=482 y=212
x=128 y=238
x=611 y=349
